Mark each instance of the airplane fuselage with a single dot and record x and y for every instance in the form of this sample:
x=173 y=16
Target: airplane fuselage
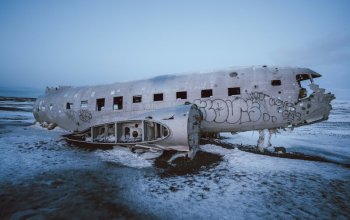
x=232 y=100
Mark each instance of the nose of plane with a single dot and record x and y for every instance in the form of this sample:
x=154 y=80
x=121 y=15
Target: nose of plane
x=317 y=106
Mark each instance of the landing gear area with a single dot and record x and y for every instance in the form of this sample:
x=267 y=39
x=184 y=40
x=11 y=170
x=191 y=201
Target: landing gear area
x=175 y=128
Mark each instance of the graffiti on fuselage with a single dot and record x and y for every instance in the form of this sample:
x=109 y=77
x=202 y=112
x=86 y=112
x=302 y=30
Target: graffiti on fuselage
x=256 y=106
x=85 y=115
x=287 y=109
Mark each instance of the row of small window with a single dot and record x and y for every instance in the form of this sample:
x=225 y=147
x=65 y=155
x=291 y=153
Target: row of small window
x=118 y=101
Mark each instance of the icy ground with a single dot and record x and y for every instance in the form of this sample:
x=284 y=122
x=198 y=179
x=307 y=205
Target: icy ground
x=42 y=177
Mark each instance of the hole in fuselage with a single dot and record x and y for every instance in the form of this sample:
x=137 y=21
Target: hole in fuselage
x=127 y=131
x=304 y=80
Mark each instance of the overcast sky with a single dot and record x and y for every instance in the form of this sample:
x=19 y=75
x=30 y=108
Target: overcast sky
x=94 y=42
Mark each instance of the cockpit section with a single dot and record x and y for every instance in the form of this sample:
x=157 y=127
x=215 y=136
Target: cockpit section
x=313 y=103
x=304 y=81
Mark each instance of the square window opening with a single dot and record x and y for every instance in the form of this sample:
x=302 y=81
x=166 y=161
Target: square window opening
x=69 y=105
x=118 y=103
x=181 y=95
x=84 y=104
x=100 y=104
x=137 y=99
x=206 y=93
x=234 y=91
x=276 y=82
x=158 y=97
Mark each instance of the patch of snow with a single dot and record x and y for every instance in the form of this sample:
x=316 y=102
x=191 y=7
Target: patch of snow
x=123 y=156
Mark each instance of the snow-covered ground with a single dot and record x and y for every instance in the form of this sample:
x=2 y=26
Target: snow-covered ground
x=41 y=176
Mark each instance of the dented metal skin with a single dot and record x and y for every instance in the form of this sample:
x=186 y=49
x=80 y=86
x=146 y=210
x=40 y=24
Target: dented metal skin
x=242 y=99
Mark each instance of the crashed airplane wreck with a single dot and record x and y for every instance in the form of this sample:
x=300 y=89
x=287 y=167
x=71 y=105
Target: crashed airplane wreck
x=172 y=112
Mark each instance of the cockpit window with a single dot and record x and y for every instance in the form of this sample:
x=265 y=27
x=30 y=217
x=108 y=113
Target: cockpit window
x=301 y=77
x=304 y=80
x=305 y=76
